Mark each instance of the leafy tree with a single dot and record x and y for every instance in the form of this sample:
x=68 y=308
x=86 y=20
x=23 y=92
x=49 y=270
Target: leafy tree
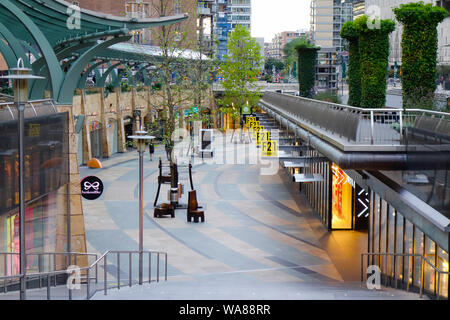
x=419 y=47
x=291 y=53
x=374 y=54
x=240 y=70
x=272 y=62
x=307 y=54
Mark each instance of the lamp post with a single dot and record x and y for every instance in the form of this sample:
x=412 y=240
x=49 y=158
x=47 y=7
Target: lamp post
x=20 y=77
x=141 y=139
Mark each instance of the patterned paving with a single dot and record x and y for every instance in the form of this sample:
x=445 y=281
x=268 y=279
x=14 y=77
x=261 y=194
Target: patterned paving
x=253 y=226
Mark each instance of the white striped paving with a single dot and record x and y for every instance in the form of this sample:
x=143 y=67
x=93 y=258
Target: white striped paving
x=259 y=212
x=120 y=191
x=270 y=179
x=180 y=256
x=249 y=251
x=215 y=217
x=113 y=173
x=299 y=245
x=206 y=192
x=96 y=216
x=251 y=191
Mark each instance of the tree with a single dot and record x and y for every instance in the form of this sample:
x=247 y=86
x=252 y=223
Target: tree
x=173 y=70
x=307 y=54
x=272 y=62
x=240 y=70
x=291 y=55
x=350 y=33
x=374 y=54
x=419 y=47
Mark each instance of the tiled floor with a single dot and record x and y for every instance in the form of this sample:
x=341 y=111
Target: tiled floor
x=257 y=228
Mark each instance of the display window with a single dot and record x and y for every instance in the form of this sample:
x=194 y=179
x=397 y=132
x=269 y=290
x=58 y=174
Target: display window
x=342 y=199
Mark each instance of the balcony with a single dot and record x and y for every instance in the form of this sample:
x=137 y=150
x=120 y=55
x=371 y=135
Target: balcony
x=203 y=11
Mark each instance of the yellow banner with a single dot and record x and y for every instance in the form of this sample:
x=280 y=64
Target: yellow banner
x=269 y=148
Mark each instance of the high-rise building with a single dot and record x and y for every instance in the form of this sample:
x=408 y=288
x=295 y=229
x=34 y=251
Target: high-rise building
x=227 y=15
x=279 y=41
x=327 y=18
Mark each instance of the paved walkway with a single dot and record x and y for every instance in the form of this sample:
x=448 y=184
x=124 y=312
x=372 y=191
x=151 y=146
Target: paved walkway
x=258 y=231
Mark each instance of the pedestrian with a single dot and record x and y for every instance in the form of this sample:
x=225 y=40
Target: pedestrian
x=152 y=150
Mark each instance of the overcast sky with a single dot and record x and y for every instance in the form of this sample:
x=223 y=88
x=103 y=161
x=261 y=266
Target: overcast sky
x=273 y=16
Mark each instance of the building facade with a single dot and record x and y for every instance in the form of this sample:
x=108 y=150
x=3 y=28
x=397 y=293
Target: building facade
x=327 y=18
x=227 y=15
x=279 y=41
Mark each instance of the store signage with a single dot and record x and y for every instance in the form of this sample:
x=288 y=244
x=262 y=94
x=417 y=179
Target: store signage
x=269 y=148
x=91 y=188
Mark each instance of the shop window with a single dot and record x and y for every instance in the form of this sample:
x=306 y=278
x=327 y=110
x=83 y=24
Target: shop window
x=443 y=265
x=418 y=249
x=409 y=249
x=430 y=273
x=342 y=199
x=399 y=245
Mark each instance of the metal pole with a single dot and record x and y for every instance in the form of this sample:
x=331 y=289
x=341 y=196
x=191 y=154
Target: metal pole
x=21 y=108
x=141 y=211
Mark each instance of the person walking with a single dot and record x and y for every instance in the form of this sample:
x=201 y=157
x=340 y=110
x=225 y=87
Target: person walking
x=152 y=150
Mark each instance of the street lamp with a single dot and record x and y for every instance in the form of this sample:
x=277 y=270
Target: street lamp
x=20 y=77
x=141 y=139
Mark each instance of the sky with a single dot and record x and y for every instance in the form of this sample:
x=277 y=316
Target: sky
x=274 y=16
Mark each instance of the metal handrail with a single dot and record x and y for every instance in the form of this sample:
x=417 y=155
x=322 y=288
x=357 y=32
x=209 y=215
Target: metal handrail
x=91 y=269
x=409 y=255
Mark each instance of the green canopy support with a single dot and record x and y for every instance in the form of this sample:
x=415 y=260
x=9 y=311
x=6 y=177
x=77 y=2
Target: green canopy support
x=73 y=76
x=83 y=79
x=102 y=81
x=56 y=74
x=8 y=54
x=30 y=49
x=14 y=44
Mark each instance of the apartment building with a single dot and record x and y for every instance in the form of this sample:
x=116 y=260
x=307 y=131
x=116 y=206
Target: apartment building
x=227 y=15
x=327 y=18
x=279 y=41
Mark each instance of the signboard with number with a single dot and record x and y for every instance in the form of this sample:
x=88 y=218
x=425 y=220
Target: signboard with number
x=269 y=148
x=257 y=129
x=253 y=124
x=261 y=136
x=248 y=119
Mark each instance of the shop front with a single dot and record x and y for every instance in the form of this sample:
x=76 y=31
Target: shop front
x=46 y=187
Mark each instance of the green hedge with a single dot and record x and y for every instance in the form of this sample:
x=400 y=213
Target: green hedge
x=350 y=33
x=374 y=54
x=419 y=52
x=307 y=54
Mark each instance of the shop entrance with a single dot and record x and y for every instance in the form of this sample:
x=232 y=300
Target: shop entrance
x=95 y=130
x=128 y=123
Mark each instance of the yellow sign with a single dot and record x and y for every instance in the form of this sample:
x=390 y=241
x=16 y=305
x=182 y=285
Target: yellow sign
x=257 y=129
x=262 y=135
x=248 y=119
x=34 y=130
x=269 y=148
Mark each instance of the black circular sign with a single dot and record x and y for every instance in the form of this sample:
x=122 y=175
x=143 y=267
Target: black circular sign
x=91 y=188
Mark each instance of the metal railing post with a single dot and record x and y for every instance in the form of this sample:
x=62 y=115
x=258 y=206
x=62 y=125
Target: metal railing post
x=371 y=127
x=423 y=277
x=165 y=271
x=129 y=273
x=105 y=275
x=157 y=267
x=438 y=292
x=48 y=287
x=401 y=126
x=87 y=285
x=362 y=268
x=149 y=267
x=118 y=270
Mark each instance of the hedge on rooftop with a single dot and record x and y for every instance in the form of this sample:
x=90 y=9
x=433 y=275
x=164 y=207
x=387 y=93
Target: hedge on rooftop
x=419 y=52
x=307 y=54
x=350 y=33
x=374 y=54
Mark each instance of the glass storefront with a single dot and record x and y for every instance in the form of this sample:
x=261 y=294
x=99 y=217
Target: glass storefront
x=46 y=187
x=342 y=199
x=390 y=232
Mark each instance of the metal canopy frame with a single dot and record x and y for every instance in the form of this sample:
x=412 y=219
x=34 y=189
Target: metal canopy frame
x=43 y=23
